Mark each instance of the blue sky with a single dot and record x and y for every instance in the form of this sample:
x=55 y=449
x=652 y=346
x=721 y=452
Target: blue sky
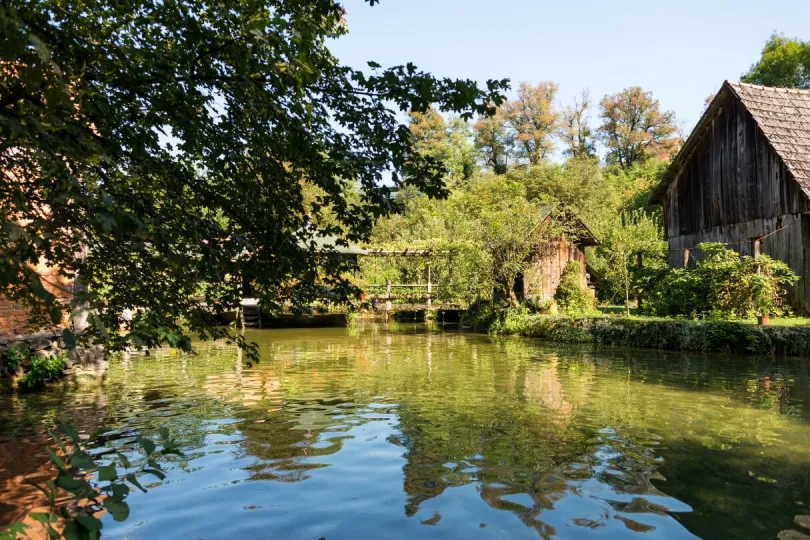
x=680 y=50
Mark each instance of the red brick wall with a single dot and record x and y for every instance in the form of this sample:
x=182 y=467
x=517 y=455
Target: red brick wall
x=14 y=317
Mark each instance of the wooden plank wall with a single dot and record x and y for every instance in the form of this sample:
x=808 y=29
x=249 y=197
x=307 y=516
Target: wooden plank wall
x=541 y=279
x=732 y=176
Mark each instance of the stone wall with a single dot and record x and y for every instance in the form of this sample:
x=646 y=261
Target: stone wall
x=90 y=361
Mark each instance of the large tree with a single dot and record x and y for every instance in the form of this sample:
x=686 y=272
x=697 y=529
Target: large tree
x=532 y=117
x=158 y=150
x=446 y=141
x=785 y=62
x=634 y=128
x=575 y=129
x=494 y=142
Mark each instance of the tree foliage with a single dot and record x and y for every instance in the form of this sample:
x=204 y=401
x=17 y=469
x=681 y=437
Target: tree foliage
x=575 y=130
x=633 y=237
x=151 y=147
x=785 y=62
x=446 y=142
x=532 y=118
x=634 y=128
x=495 y=142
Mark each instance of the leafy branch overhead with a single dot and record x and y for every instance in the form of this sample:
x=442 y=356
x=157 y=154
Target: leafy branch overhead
x=158 y=150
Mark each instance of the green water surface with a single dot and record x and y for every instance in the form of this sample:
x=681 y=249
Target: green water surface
x=403 y=432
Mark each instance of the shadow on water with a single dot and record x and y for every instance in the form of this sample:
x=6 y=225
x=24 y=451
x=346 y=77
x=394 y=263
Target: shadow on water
x=404 y=433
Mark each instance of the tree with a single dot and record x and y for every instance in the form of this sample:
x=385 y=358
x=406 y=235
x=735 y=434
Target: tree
x=575 y=130
x=578 y=183
x=635 y=129
x=635 y=234
x=168 y=143
x=448 y=143
x=532 y=117
x=494 y=142
x=785 y=62
x=508 y=228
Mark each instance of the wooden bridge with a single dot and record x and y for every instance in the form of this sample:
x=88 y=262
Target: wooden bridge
x=388 y=301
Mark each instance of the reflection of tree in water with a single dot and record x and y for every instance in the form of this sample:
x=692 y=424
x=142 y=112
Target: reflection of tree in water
x=520 y=420
x=533 y=427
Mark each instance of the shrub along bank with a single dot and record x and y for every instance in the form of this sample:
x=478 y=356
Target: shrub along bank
x=676 y=335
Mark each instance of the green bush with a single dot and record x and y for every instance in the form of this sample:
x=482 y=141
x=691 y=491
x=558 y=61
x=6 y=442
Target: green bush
x=41 y=370
x=723 y=285
x=481 y=315
x=14 y=357
x=572 y=296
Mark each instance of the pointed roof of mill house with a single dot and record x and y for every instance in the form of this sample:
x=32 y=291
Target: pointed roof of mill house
x=783 y=115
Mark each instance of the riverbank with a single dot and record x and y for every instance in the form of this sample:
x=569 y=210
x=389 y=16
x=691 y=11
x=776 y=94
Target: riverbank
x=666 y=334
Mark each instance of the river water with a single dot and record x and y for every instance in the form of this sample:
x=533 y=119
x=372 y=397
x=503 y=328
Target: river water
x=404 y=432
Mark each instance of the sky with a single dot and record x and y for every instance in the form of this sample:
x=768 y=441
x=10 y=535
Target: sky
x=680 y=50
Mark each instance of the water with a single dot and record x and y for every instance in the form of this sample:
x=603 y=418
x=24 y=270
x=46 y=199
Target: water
x=402 y=433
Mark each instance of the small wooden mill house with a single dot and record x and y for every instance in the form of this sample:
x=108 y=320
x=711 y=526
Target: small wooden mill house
x=548 y=260
x=743 y=178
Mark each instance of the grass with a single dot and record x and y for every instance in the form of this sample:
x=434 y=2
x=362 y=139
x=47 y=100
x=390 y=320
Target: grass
x=634 y=314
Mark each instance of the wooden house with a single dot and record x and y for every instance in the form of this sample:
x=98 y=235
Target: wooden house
x=743 y=178
x=550 y=257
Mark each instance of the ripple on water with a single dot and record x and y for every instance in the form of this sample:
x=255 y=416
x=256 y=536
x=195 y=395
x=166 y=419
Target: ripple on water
x=348 y=434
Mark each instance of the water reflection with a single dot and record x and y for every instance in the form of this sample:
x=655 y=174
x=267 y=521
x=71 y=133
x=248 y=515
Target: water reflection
x=405 y=433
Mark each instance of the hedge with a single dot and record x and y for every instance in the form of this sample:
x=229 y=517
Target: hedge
x=676 y=335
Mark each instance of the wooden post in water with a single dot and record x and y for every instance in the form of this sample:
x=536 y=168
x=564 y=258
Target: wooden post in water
x=388 y=304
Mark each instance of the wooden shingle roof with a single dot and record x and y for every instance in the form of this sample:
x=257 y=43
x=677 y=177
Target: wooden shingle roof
x=783 y=115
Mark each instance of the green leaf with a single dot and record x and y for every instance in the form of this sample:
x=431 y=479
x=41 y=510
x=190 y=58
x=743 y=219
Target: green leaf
x=107 y=473
x=55 y=314
x=54 y=458
x=147 y=445
x=120 y=491
x=90 y=523
x=119 y=510
x=74 y=485
x=68 y=430
x=156 y=473
x=42 y=517
x=134 y=481
x=15 y=530
x=69 y=339
x=57 y=440
x=82 y=460
x=124 y=460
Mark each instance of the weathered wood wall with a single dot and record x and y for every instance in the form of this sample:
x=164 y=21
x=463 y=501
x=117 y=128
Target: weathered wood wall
x=734 y=188
x=541 y=279
x=732 y=176
x=789 y=244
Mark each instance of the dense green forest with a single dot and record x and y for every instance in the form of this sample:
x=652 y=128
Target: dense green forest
x=601 y=159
